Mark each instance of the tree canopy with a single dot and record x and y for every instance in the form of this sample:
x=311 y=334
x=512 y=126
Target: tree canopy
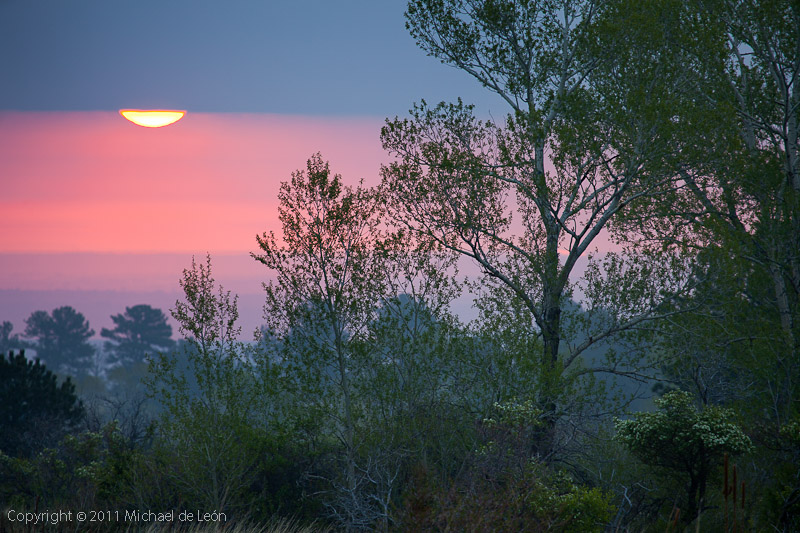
x=528 y=196
x=141 y=330
x=682 y=438
x=61 y=338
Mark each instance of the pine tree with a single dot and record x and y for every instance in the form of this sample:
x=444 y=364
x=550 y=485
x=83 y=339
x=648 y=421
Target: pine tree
x=142 y=330
x=35 y=410
x=61 y=339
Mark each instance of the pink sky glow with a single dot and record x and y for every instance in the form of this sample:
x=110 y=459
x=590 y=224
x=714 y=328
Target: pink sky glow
x=93 y=182
x=100 y=214
x=96 y=211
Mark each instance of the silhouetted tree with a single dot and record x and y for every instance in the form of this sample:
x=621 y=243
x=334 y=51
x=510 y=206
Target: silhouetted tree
x=7 y=340
x=35 y=410
x=140 y=331
x=61 y=338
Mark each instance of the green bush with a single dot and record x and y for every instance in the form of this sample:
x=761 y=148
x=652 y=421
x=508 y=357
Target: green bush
x=681 y=439
x=536 y=499
x=502 y=487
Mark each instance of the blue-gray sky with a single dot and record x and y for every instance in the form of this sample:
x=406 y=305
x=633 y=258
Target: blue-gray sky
x=303 y=57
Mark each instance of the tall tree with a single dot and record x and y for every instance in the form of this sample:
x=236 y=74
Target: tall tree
x=141 y=330
x=736 y=156
x=61 y=338
x=210 y=397
x=324 y=297
x=35 y=410
x=739 y=203
x=527 y=197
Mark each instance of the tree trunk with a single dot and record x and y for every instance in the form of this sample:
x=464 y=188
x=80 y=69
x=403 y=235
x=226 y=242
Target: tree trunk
x=348 y=413
x=691 y=499
x=551 y=337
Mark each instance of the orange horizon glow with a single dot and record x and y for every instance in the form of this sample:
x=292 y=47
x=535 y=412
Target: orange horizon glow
x=154 y=118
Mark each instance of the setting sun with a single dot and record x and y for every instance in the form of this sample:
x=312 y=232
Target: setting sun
x=152 y=118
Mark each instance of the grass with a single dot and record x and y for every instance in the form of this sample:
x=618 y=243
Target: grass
x=282 y=525
x=276 y=526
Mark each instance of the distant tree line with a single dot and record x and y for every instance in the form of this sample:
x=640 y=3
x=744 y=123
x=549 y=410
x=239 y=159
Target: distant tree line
x=61 y=338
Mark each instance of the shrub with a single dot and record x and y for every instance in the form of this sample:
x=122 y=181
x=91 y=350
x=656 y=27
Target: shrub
x=682 y=439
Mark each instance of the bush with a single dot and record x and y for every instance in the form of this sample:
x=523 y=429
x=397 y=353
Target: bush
x=535 y=499
x=682 y=439
x=502 y=487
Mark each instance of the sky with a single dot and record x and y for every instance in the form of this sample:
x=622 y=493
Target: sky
x=101 y=214
x=340 y=58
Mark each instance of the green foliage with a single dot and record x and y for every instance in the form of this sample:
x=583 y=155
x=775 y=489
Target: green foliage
x=682 y=439
x=532 y=497
x=61 y=339
x=678 y=434
x=527 y=196
x=210 y=423
x=328 y=273
x=88 y=470
x=101 y=471
x=791 y=432
x=140 y=331
x=366 y=350
x=59 y=475
x=35 y=410
x=418 y=357
x=329 y=281
x=567 y=506
x=782 y=502
x=500 y=486
x=510 y=430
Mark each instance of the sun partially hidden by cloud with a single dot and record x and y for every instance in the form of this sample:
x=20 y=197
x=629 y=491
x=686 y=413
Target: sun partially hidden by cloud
x=155 y=118
x=86 y=182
